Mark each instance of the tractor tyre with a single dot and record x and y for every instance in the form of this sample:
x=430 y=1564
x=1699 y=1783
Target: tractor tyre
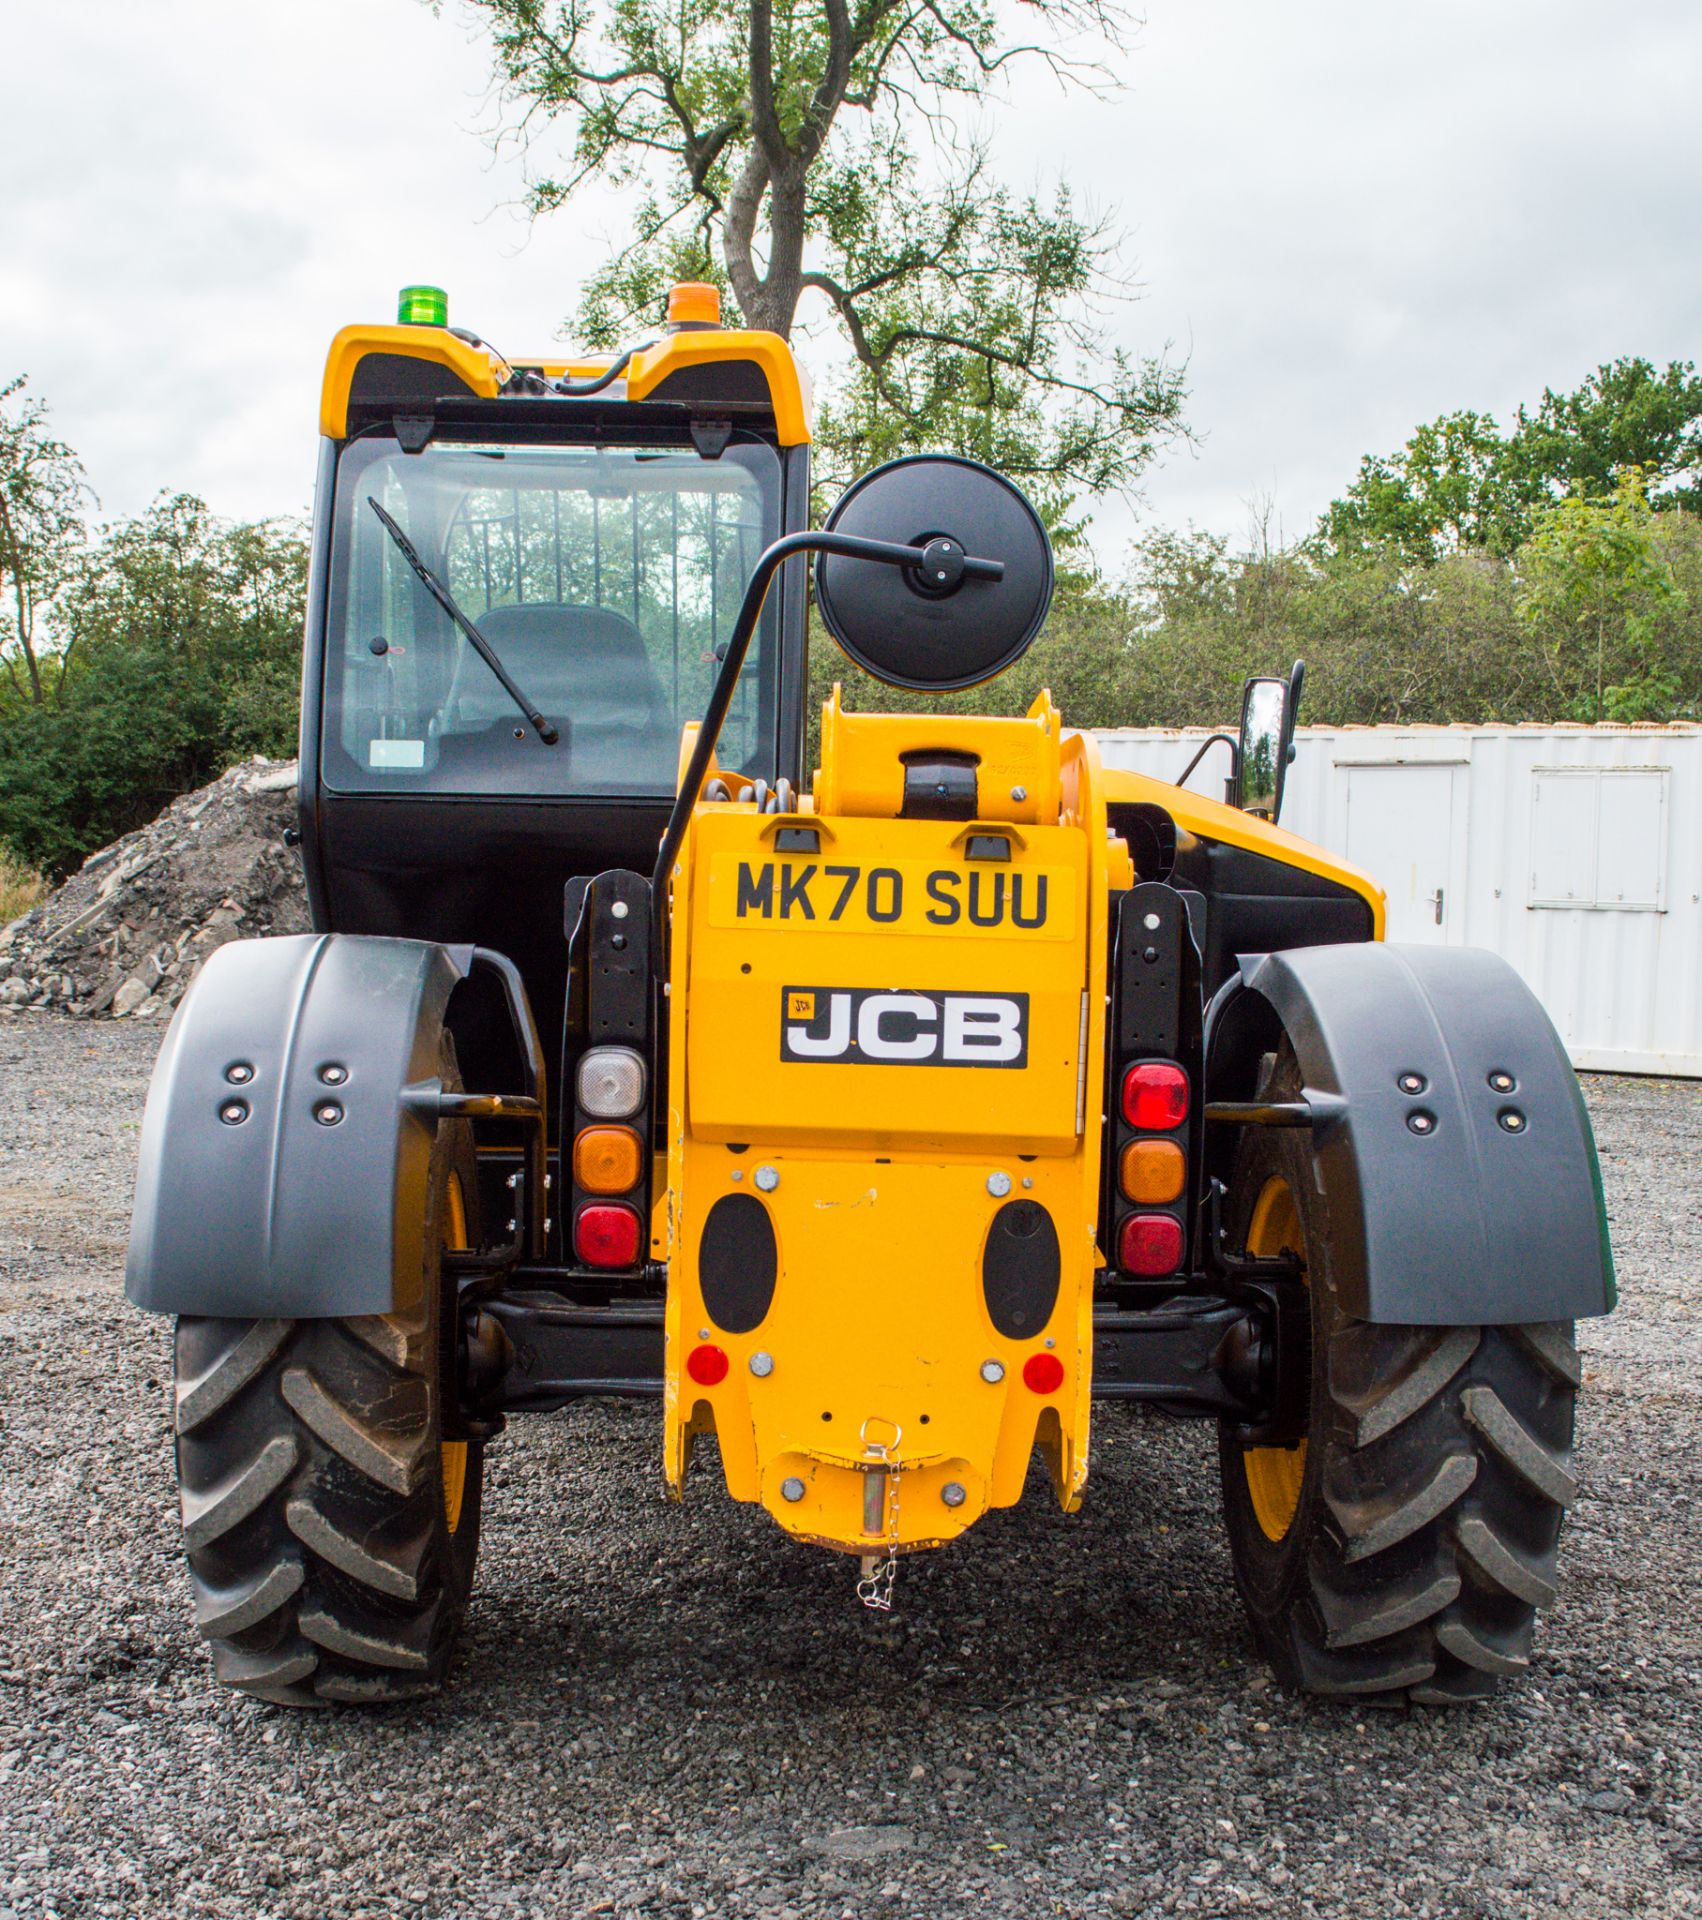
x=1404 y=1548
x=331 y=1527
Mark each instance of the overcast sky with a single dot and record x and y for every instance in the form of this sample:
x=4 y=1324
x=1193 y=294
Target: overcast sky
x=1348 y=218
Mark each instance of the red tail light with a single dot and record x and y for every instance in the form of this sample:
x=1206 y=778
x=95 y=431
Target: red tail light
x=707 y=1366
x=1155 y=1096
x=1043 y=1373
x=607 y=1236
x=1150 y=1244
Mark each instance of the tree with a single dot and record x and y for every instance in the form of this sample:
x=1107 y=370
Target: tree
x=1461 y=484
x=769 y=148
x=1625 y=417
x=181 y=642
x=1446 y=489
x=1595 y=585
x=43 y=496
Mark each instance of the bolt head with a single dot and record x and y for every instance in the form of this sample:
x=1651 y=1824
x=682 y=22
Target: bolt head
x=1501 y=1081
x=792 y=1488
x=762 y=1364
x=234 y=1112
x=992 y=1371
x=1019 y=794
x=1512 y=1120
x=998 y=1185
x=1411 y=1082
x=239 y=1073
x=767 y=1178
x=1418 y=1121
x=328 y=1113
x=954 y=1493
x=333 y=1074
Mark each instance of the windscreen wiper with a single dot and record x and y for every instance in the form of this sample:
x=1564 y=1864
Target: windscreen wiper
x=480 y=645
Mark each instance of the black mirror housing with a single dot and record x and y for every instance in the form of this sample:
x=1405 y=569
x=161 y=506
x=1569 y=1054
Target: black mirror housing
x=936 y=627
x=1270 y=708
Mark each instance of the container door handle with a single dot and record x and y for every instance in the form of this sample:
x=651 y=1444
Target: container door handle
x=1436 y=901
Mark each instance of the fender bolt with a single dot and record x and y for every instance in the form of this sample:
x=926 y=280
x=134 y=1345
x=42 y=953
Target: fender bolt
x=1512 y=1120
x=333 y=1075
x=953 y=1494
x=1501 y=1081
x=234 y=1112
x=792 y=1488
x=1421 y=1122
x=1412 y=1083
x=239 y=1073
x=328 y=1113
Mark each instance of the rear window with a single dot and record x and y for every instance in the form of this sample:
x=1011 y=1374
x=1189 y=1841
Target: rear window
x=604 y=578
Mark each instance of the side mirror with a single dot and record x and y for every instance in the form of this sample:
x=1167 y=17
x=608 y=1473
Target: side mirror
x=1269 y=710
x=941 y=625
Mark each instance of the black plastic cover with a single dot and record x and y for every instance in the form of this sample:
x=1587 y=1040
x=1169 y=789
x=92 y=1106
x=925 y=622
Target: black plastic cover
x=311 y=1200
x=1454 y=1199
x=1020 y=1269
x=737 y=1262
x=889 y=621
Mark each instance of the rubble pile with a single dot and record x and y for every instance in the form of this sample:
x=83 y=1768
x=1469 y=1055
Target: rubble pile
x=124 y=935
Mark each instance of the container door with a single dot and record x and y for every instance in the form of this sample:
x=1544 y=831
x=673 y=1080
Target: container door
x=1400 y=829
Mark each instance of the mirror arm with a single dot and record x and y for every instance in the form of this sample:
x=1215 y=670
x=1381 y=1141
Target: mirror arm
x=1206 y=745
x=849 y=547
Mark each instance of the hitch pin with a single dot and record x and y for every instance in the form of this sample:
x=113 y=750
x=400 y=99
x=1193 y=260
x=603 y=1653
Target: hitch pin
x=874 y=1498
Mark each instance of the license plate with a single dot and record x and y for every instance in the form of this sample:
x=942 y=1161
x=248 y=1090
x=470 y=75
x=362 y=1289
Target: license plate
x=976 y=899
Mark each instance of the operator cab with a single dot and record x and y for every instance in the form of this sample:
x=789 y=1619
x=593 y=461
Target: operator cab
x=595 y=523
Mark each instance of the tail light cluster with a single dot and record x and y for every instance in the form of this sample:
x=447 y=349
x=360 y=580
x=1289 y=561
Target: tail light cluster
x=606 y=1096
x=608 y=1159
x=1152 y=1169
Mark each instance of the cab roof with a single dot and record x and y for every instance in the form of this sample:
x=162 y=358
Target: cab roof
x=375 y=371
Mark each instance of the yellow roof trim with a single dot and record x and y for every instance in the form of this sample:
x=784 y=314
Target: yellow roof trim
x=1212 y=820
x=480 y=370
x=788 y=388
x=483 y=372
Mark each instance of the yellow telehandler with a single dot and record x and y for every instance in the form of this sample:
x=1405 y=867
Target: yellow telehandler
x=875 y=1119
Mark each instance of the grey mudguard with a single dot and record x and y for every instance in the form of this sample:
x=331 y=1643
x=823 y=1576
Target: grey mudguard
x=278 y=1213
x=1466 y=1223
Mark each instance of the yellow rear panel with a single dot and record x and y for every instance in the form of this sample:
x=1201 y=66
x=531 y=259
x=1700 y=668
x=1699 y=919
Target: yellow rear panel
x=886 y=1042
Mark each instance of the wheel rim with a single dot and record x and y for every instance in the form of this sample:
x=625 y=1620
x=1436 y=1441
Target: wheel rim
x=453 y=1237
x=1275 y=1475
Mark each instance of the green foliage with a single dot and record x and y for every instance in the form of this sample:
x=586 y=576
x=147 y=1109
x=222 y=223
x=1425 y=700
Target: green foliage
x=43 y=494
x=175 y=649
x=1626 y=417
x=1599 y=591
x=771 y=149
x=1460 y=484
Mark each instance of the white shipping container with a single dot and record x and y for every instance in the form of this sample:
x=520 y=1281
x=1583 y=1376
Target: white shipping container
x=1573 y=852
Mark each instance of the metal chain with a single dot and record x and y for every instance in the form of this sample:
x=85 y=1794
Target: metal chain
x=874 y=1588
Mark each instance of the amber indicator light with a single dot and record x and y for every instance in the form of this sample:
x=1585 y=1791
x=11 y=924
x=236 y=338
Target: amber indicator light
x=1152 y=1172
x=607 y=1160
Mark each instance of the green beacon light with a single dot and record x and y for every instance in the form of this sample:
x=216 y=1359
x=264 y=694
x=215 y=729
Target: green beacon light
x=422 y=307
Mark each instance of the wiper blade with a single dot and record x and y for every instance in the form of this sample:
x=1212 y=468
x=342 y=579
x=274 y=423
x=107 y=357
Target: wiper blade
x=480 y=645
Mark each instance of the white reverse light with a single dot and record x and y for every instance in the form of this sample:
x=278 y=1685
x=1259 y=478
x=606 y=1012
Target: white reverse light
x=611 y=1082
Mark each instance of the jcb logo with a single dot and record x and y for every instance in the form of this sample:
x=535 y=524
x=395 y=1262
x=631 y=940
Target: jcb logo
x=893 y=1028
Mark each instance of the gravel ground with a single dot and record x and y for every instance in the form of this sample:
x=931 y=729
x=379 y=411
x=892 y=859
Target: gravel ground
x=676 y=1712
